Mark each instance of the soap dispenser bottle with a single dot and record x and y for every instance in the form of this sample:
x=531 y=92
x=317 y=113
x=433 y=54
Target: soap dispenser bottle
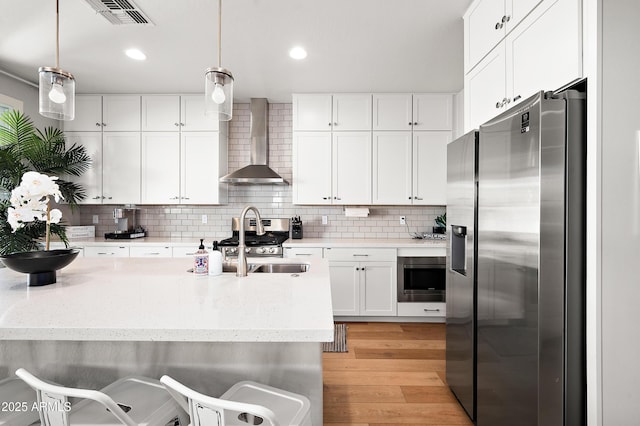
x=201 y=260
x=215 y=260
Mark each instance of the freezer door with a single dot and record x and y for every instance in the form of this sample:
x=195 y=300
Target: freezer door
x=460 y=327
x=520 y=266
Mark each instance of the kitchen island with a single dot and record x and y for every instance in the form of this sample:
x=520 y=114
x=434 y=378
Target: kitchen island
x=107 y=318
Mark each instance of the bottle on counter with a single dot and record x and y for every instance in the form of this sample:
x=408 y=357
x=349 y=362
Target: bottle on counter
x=201 y=260
x=215 y=260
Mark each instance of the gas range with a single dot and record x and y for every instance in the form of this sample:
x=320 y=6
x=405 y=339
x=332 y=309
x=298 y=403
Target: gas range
x=267 y=245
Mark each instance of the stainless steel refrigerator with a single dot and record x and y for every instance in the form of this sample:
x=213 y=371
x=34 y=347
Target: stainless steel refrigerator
x=516 y=265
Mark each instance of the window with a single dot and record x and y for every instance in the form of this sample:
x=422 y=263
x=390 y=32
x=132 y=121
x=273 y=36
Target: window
x=7 y=103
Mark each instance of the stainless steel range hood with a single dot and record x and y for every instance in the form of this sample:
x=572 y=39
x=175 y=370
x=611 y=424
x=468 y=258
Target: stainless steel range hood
x=258 y=172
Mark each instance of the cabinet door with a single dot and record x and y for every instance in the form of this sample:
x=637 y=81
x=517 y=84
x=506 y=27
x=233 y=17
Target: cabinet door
x=378 y=292
x=121 y=167
x=193 y=117
x=150 y=251
x=485 y=90
x=430 y=168
x=351 y=168
x=433 y=111
x=392 y=111
x=303 y=252
x=530 y=68
x=351 y=112
x=312 y=168
x=392 y=168
x=312 y=112
x=345 y=288
x=106 y=251
x=160 y=168
x=121 y=113
x=483 y=30
x=91 y=179
x=88 y=115
x=201 y=156
x=516 y=10
x=161 y=113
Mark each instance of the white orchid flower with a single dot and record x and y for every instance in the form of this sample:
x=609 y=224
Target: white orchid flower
x=38 y=184
x=17 y=217
x=55 y=215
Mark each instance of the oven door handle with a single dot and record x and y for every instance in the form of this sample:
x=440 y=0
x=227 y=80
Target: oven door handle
x=435 y=266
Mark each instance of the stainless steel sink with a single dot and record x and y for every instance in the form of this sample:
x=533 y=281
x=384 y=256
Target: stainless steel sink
x=280 y=268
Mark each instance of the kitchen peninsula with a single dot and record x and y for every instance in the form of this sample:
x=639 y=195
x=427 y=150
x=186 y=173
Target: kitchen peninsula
x=108 y=318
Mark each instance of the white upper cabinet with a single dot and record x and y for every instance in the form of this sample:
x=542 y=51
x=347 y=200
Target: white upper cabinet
x=433 y=111
x=343 y=112
x=160 y=168
x=312 y=168
x=555 y=25
x=193 y=117
x=88 y=115
x=91 y=179
x=487 y=22
x=351 y=168
x=351 y=112
x=485 y=89
x=121 y=167
x=392 y=111
x=121 y=113
x=430 y=167
x=160 y=113
x=392 y=168
x=203 y=161
x=312 y=112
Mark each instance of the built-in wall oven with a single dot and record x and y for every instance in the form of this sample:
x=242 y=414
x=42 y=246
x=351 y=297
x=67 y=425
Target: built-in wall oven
x=421 y=279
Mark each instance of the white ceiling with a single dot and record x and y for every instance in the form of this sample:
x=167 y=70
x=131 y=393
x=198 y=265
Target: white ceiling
x=353 y=45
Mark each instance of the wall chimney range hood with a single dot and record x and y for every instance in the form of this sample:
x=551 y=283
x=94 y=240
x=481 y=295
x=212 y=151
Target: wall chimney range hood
x=258 y=172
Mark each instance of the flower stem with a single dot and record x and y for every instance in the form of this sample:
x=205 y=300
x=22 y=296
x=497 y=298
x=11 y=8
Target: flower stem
x=48 y=231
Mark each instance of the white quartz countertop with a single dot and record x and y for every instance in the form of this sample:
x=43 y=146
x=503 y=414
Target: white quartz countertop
x=364 y=242
x=134 y=299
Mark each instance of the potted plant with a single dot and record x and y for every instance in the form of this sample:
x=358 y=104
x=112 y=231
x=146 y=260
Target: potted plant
x=27 y=153
x=441 y=224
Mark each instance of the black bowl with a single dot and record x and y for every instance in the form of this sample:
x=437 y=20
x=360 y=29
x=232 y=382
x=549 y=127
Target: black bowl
x=40 y=265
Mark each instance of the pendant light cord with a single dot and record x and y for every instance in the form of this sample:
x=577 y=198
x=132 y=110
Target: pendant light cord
x=57 y=33
x=219 y=33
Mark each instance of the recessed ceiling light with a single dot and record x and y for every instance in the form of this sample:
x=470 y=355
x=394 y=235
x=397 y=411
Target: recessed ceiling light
x=298 y=53
x=135 y=54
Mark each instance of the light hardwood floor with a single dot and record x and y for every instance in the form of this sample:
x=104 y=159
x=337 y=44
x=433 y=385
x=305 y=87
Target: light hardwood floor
x=393 y=374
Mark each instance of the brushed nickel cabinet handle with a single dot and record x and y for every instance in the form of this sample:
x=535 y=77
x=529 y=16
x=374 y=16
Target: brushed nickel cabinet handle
x=417 y=198
x=360 y=255
x=176 y=124
x=517 y=98
x=432 y=310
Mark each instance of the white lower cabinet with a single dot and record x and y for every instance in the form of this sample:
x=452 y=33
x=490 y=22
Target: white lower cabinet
x=363 y=281
x=303 y=252
x=150 y=251
x=106 y=251
x=417 y=309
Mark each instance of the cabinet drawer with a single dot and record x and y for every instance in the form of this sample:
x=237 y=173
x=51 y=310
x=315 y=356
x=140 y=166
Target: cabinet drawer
x=413 y=309
x=360 y=254
x=303 y=252
x=188 y=251
x=106 y=251
x=150 y=251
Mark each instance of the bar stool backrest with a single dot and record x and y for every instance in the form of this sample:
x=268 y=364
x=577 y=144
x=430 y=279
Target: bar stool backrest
x=205 y=410
x=53 y=405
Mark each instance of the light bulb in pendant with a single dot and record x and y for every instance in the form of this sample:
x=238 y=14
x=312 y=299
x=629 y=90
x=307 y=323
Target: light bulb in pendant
x=218 y=94
x=56 y=94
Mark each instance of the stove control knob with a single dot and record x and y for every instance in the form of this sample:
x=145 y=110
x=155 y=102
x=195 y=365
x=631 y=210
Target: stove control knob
x=247 y=250
x=232 y=250
x=272 y=250
x=260 y=250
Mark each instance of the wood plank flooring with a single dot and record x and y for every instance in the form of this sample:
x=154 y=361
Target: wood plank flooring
x=393 y=374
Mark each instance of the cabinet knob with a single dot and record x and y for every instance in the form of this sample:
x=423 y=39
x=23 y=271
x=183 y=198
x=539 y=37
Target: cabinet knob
x=410 y=123
x=417 y=198
x=109 y=198
x=506 y=18
x=362 y=269
x=335 y=124
x=517 y=98
x=325 y=198
x=176 y=124
x=329 y=124
x=104 y=124
x=98 y=124
x=97 y=197
x=337 y=198
x=409 y=197
x=499 y=25
x=498 y=105
x=182 y=124
x=415 y=123
x=174 y=198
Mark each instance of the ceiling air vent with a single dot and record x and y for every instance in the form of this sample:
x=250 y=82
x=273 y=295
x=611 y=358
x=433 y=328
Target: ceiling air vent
x=120 y=12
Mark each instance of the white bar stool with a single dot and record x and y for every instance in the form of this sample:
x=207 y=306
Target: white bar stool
x=130 y=401
x=19 y=399
x=244 y=403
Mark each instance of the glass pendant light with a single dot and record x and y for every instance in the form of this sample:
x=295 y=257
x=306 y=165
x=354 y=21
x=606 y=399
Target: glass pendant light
x=57 y=87
x=219 y=83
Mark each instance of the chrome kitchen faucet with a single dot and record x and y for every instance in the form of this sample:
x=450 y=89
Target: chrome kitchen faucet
x=241 y=270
